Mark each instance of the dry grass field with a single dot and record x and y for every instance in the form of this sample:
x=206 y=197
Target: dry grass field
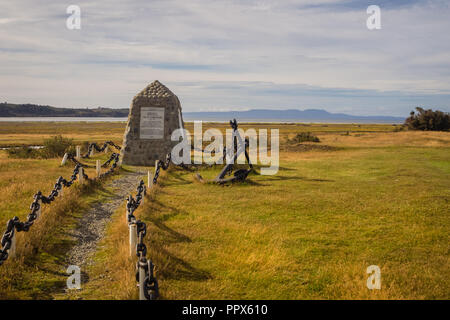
x=365 y=195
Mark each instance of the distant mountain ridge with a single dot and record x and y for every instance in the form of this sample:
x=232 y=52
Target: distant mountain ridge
x=294 y=115
x=287 y=115
x=34 y=110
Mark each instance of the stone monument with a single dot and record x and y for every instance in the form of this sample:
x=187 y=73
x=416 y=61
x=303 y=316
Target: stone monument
x=154 y=114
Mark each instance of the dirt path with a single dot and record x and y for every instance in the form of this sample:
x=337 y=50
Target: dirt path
x=92 y=226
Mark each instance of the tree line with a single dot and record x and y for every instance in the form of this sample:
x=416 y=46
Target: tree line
x=428 y=120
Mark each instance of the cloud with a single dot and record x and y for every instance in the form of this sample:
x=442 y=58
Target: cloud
x=229 y=54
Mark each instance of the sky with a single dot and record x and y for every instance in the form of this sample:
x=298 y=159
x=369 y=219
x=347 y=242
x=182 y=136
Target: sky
x=229 y=54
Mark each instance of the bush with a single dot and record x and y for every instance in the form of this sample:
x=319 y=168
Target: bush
x=399 y=128
x=53 y=148
x=23 y=153
x=304 y=137
x=428 y=120
x=85 y=146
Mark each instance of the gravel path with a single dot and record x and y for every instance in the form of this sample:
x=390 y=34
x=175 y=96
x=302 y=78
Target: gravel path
x=92 y=225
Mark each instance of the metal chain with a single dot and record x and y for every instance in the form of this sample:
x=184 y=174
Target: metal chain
x=105 y=164
x=133 y=204
x=116 y=157
x=100 y=149
x=151 y=290
x=15 y=224
x=161 y=164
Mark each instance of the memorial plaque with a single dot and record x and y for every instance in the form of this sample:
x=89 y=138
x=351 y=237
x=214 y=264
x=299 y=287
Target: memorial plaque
x=154 y=114
x=152 y=123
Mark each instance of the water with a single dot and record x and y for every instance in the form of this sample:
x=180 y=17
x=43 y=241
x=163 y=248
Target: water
x=32 y=147
x=188 y=119
x=61 y=119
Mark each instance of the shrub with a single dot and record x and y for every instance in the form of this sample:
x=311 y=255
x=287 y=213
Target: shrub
x=55 y=146
x=85 y=146
x=399 y=128
x=428 y=120
x=23 y=153
x=303 y=137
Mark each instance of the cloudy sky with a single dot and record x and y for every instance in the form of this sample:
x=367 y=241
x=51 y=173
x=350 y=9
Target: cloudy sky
x=229 y=54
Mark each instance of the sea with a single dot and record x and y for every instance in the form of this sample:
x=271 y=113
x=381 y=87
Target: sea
x=61 y=119
x=106 y=119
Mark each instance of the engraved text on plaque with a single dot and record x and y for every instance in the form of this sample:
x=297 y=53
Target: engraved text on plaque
x=152 y=123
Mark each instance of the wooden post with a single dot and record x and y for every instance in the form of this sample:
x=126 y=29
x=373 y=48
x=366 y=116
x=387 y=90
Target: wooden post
x=98 y=167
x=61 y=192
x=133 y=237
x=91 y=152
x=64 y=160
x=12 y=249
x=106 y=149
x=80 y=175
x=78 y=156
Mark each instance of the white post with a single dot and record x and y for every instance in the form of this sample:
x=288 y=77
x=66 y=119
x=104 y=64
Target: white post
x=91 y=153
x=64 y=160
x=141 y=282
x=78 y=156
x=12 y=249
x=80 y=175
x=133 y=237
x=150 y=179
x=98 y=168
x=38 y=213
x=61 y=192
x=106 y=149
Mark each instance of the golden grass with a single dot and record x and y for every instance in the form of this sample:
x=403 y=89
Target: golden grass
x=309 y=232
x=38 y=270
x=34 y=133
x=112 y=276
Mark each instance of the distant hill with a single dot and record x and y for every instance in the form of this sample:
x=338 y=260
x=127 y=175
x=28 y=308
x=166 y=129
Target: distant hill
x=264 y=115
x=308 y=115
x=34 y=110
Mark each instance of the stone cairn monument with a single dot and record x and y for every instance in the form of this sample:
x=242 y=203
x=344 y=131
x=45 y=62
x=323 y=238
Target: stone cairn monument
x=154 y=114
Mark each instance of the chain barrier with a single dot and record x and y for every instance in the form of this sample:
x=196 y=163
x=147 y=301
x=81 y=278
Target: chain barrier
x=161 y=164
x=72 y=158
x=100 y=149
x=145 y=277
x=15 y=224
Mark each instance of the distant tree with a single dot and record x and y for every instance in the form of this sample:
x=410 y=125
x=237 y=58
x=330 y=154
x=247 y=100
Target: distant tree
x=428 y=120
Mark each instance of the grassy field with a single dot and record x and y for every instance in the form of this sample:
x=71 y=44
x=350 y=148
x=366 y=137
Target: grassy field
x=365 y=195
x=34 y=133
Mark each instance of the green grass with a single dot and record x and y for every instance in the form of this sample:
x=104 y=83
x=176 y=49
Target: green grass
x=371 y=197
x=310 y=231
